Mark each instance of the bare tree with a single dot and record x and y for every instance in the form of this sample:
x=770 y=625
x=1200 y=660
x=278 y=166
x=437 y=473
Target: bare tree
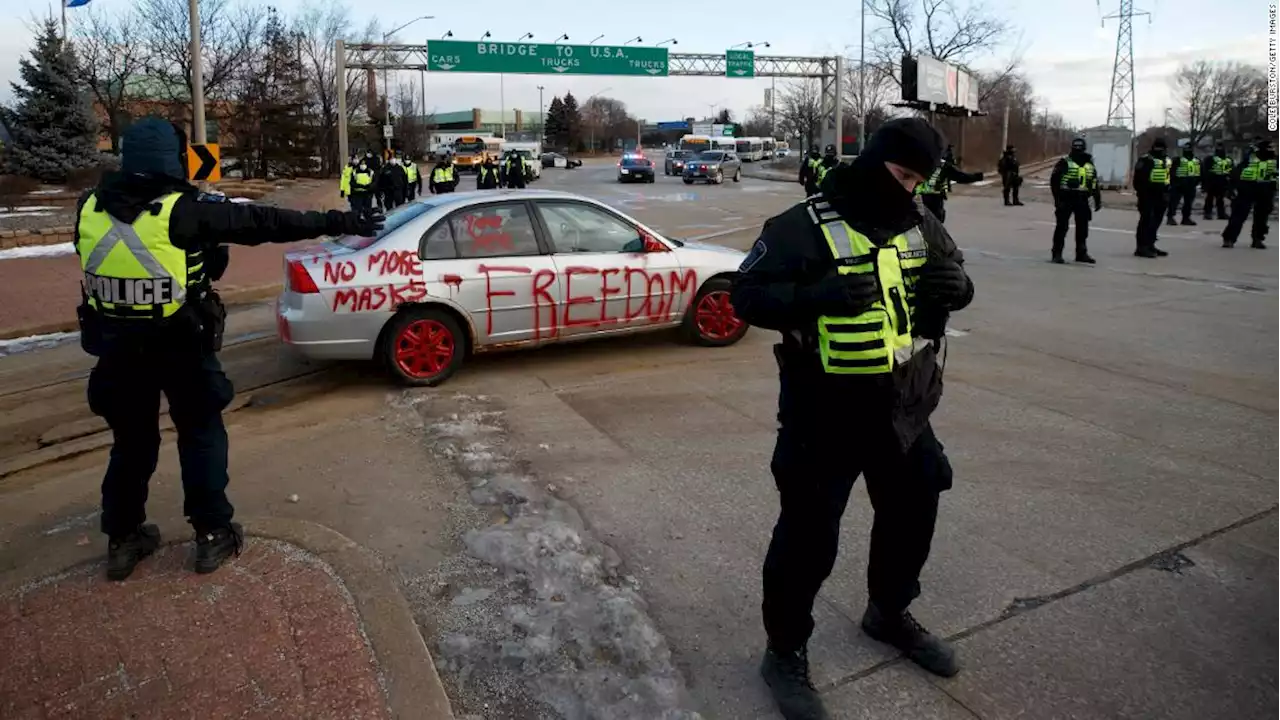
x=868 y=92
x=228 y=43
x=952 y=30
x=1205 y=92
x=112 y=57
x=318 y=26
x=759 y=122
x=800 y=110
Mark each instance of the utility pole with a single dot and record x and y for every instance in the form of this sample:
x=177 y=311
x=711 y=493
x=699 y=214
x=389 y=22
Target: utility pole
x=502 y=101
x=862 y=80
x=542 y=115
x=198 y=136
x=340 y=63
x=1004 y=135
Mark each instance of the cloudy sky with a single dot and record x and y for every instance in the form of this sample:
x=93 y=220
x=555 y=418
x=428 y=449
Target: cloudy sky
x=1067 y=54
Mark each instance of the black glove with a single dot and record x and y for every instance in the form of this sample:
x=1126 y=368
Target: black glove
x=363 y=224
x=838 y=294
x=943 y=283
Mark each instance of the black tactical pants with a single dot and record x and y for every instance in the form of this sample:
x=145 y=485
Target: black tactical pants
x=1075 y=204
x=1181 y=193
x=125 y=390
x=815 y=464
x=1151 y=206
x=1215 y=193
x=1250 y=196
x=1010 y=182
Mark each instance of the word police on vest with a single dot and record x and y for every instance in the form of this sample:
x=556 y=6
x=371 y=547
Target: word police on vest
x=122 y=291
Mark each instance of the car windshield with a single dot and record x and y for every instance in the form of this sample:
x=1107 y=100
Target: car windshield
x=635 y=162
x=525 y=153
x=395 y=218
x=712 y=156
x=469 y=147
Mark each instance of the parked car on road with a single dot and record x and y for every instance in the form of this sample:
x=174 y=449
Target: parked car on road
x=635 y=168
x=713 y=166
x=556 y=160
x=461 y=273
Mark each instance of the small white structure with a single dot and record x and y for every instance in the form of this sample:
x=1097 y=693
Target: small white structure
x=1112 y=150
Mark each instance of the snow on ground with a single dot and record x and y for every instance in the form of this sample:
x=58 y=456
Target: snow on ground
x=50 y=191
x=32 y=251
x=13 y=346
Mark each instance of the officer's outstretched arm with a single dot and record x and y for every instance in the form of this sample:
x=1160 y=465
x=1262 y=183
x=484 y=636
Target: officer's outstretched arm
x=769 y=292
x=959 y=176
x=194 y=223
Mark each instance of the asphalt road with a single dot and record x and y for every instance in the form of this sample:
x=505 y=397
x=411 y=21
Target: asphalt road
x=1109 y=548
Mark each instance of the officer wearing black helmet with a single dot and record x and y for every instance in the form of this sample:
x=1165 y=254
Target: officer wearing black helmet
x=1073 y=182
x=860 y=284
x=1151 y=182
x=149 y=247
x=809 y=170
x=1255 y=186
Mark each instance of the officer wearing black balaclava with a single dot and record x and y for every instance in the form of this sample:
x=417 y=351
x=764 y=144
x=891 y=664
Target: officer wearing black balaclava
x=1010 y=177
x=149 y=251
x=1151 y=183
x=1255 y=188
x=1182 y=188
x=1073 y=182
x=859 y=282
x=1216 y=170
x=809 y=170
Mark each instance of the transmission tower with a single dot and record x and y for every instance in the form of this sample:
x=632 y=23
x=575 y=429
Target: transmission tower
x=1121 y=109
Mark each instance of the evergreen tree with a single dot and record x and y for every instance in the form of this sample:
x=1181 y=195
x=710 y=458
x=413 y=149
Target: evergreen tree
x=556 y=132
x=52 y=126
x=271 y=124
x=572 y=122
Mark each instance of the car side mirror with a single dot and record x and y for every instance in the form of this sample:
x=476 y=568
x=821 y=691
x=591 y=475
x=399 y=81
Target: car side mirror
x=653 y=245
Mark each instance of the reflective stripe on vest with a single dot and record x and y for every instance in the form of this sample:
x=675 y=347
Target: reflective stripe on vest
x=134 y=271
x=1267 y=171
x=1250 y=171
x=1083 y=178
x=1160 y=170
x=441 y=175
x=873 y=341
x=1221 y=166
x=934 y=185
x=1189 y=167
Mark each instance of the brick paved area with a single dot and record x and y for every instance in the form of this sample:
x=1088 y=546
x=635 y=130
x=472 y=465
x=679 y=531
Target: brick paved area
x=271 y=635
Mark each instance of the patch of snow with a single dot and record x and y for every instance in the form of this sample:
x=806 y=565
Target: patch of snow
x=13 y=346
x=33 y=208
x=241 y=200
x=41 y=213
x=51 y=191
x=31 y=251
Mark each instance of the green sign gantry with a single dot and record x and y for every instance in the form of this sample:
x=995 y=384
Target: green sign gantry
x=739 y=63
x=545 y=58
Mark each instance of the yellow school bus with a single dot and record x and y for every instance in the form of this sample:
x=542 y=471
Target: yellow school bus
x=470 y=151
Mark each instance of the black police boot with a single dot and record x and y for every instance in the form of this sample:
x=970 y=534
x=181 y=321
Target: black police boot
x=1084 y=257
x=1228 y=243
x=1144 y=252
x=1171 y=221
x=1018 y=202
x=1258 y=245
x=1189 y=221
x=787 y=675
x=214 y=547
x=1159 y=252
x=125 y=552
x=903 y=632
x=1057 y=259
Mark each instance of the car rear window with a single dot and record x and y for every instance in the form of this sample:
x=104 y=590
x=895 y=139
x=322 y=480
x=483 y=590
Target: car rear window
x=397 y=217
x=494 y=231
x=636 y=162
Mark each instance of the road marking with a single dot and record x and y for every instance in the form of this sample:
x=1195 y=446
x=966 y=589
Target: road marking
x=1163 y=234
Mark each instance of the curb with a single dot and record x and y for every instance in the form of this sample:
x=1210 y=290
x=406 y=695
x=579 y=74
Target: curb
x=413 y=687
x=232 y=296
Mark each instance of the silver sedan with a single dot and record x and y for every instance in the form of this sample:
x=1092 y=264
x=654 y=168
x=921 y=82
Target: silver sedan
x=462 y=273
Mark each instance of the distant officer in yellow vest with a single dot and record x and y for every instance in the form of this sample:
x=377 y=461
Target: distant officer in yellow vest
x=859 y=283
x=1255 y=186
x=363 y=188
x=149 y=252
x=1151 y=183
x=344 y=184
x=414 y=178
x=1073 y=183
x=1216 y=170
x=443 y=178
x=1182 y=187
x=487 y=175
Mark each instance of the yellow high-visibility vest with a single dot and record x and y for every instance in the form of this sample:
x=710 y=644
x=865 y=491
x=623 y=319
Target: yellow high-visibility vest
x=133 y=270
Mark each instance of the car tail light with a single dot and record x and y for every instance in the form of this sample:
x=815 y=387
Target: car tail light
x=299 y=279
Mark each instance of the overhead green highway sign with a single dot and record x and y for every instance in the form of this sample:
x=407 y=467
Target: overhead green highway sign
x=545 y=58
x=740 y=63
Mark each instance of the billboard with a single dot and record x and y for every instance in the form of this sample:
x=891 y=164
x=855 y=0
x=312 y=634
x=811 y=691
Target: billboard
x=929 y=80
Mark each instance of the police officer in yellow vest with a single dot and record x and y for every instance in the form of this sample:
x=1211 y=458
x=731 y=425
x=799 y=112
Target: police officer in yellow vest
x=860 y=284
x=443 y=178
x=934 y=190
x=1217 y=177
x=412 y=176
x=148 y=247
x=1255 y=187
x=487 y=175
x=1151 y=183
x=1182 y=188
x=809 y=170
x=1073 y=182
x=363 y=188
x=344 y=183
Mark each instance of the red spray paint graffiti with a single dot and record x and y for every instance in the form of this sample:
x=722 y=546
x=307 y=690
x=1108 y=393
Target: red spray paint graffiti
x=396 y=262
x=376 y=297
x=649 y=295
x=486 y=231
x=342 y=271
